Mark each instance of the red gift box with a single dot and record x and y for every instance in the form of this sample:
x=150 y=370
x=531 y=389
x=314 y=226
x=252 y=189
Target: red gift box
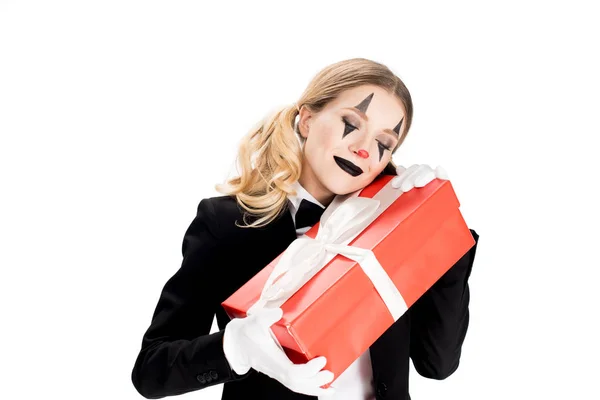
x=339 y=313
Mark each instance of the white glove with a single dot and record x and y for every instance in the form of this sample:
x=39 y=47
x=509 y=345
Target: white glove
x=417 y=175
x=247 y=343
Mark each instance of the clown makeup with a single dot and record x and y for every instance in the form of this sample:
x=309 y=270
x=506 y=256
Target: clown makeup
x=397 y=128
x=361 y=110
x=365 y=103
x=350 y=141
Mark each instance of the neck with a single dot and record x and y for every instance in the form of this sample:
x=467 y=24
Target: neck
x=311 y=184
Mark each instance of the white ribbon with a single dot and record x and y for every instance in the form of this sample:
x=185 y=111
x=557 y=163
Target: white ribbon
x=345 y=218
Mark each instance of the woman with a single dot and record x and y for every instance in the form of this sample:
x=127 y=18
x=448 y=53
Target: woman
x=352 y=117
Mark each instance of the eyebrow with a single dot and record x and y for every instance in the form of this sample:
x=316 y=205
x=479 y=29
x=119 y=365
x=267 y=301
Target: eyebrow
x=366 y=118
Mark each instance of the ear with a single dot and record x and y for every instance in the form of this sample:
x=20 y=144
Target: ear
x=304 y=121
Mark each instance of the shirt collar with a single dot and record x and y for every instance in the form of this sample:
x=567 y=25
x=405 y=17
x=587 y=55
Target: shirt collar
x=301 y=193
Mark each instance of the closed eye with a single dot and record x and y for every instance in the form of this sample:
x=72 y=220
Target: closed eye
x=382 y=148
x=348 y=127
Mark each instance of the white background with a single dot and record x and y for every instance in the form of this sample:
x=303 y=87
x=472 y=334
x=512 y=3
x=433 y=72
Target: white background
x=118 y=117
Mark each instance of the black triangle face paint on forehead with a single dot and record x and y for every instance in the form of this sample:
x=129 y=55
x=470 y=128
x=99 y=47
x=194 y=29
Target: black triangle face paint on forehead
x=397 y=128
x=363 y=105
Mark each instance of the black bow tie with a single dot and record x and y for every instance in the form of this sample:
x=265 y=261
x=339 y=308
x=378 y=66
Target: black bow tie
x=308 y=214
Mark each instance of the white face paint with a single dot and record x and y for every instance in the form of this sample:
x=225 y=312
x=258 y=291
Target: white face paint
x=350 y=141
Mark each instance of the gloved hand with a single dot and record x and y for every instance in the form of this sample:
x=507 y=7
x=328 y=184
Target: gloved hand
x=247 y=343
x=417 y=175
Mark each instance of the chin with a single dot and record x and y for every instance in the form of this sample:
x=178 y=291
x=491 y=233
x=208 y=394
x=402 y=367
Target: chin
x=343 y=186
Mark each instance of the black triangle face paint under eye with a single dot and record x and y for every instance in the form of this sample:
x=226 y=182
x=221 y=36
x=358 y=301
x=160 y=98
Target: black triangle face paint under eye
x=365 y=103
x=347 y=129
x=381 y=150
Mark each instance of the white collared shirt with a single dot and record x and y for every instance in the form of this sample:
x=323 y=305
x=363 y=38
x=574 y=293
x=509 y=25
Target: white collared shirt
x=301 y=193
x=356 y=382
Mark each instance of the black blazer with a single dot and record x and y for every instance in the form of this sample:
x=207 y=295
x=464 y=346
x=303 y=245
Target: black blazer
x=178 y=354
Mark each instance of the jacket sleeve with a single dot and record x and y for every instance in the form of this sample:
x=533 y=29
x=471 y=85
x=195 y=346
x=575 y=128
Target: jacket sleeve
x=178 y=354
x=439 y=320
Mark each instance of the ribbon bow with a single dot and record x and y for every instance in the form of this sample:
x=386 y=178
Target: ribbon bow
x=344 y=219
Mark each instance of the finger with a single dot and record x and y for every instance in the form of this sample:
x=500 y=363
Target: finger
x=318 y=362
x=310 y=368
x=323 y=377
x=309 y=388
x=400 y=169
x=409 y=179
x=322 y=392
x=407 y=185
x=441 y=173
x=402 y=178
x=410 y=170
x=311 y=385
x=424 y=178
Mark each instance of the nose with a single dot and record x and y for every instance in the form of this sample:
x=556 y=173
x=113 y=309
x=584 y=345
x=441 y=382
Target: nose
x=363 y=153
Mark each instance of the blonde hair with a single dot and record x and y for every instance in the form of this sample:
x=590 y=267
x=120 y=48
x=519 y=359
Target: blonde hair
x=270 y=154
